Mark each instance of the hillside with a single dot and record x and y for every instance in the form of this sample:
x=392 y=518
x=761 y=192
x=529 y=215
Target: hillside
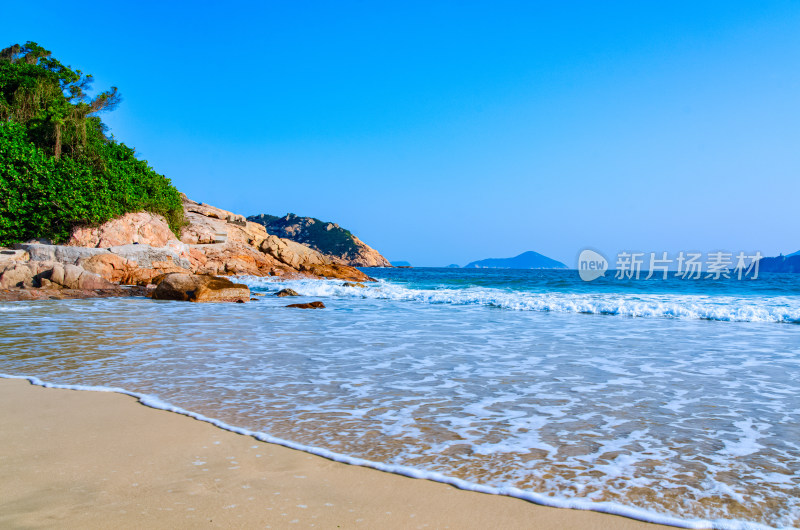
x=526 y=260
x=329 y=239
x=64 y=179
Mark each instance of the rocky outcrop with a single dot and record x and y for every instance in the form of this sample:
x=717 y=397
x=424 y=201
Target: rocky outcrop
x=243 y=247
x=136 y=248
x=141 y=228
x=126 y=264
x=338 y=272
x=209 y=225
x=338 y=245
x=200 y=288
x=52 y=275
x=293 y=254
x=287 y=292
x=8 y=255
x=24 y=279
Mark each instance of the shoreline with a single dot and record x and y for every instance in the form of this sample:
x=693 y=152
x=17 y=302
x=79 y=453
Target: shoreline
x=96 y=460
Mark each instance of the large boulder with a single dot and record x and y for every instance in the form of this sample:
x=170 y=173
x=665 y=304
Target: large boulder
x=8 y=255
x=339 y=272
x=110 y=266
x=74 y=277
x=292 y=254
x=141 y=227
x=200 y=288
x=16 y=275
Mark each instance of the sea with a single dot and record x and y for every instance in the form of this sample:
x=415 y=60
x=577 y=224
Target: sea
x=673 y=401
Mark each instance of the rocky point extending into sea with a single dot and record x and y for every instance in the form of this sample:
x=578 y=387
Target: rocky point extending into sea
x=133 y=254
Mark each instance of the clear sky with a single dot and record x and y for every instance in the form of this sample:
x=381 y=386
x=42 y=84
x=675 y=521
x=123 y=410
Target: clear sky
x=446 y=132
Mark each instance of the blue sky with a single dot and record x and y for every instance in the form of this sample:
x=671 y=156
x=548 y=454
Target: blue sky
x=446 y=132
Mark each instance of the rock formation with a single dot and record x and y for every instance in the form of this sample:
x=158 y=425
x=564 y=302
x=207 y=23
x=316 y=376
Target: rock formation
x=309 y=305
x=141 y=227
x=139 y=249
x=221 y=242
x=126 y=264
x=214 y=241
x=200 y=288
x=50 y=274
x=338 y=245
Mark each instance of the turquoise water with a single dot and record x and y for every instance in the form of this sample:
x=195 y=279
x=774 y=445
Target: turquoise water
x=678 y=398
x=769 y=298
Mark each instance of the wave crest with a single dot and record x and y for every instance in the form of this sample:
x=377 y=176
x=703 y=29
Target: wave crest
x=683 y=306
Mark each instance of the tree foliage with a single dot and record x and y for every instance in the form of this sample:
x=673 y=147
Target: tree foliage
x=58 y=169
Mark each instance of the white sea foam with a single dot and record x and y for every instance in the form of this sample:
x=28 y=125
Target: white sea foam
x=545 y=500
x=782 y=309
x=14 y=308
x=680 y=418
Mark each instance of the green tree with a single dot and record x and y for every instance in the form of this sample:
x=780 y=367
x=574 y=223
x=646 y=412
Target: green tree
x=58 y=169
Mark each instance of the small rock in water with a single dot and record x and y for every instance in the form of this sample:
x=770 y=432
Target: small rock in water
x=351 y=284
x=310 y=305
x=287 y=292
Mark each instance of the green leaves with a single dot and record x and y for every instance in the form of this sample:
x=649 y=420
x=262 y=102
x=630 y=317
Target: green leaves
x=57 y=168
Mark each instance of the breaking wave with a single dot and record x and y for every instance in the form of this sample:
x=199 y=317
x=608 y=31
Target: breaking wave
x=776 y=309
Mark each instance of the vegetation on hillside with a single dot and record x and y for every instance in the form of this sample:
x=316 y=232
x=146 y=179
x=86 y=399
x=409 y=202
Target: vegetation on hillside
x=58 y=167
x=327 y=238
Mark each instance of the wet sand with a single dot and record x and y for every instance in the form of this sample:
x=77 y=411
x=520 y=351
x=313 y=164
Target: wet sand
x=102 y=460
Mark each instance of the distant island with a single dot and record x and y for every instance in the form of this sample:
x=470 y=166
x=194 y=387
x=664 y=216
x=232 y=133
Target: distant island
x=453 y=266
x=526 y=260
x=401 y=264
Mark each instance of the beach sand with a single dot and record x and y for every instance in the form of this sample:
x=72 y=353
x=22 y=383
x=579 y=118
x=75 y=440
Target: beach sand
x=102 y=460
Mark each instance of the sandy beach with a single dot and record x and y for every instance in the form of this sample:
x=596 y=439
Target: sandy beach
x=102 y=460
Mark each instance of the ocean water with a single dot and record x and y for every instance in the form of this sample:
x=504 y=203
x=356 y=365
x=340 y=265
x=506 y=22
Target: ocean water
x=674 y=401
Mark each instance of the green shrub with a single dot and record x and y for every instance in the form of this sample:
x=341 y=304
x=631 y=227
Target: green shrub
x=44 y=197
x=58 y=170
